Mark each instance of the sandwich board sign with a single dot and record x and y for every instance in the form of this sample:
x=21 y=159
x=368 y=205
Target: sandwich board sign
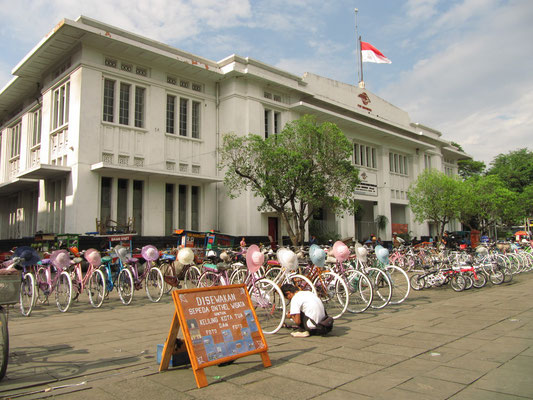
x=219 y=325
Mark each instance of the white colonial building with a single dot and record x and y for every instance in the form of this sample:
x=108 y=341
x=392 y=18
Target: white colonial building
x=99 y=124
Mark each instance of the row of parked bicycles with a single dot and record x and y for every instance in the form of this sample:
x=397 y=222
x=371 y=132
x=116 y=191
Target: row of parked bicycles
x=347 y=279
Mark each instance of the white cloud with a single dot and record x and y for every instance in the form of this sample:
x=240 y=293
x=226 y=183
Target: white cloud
x=421 y=9
x=475 y=89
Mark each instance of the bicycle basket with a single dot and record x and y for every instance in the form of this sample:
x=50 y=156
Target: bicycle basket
x=9 y=286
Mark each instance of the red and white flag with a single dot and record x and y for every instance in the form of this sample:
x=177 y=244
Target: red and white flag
x=370 y=54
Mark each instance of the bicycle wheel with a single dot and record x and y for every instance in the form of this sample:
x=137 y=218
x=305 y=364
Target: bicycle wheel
x=382 y=287
x=208 y=279
x=469 y=280
x=458 y=282
x=96 y=288
x=361 y=293
x=301 y=282
x=27 y=294
x=154 y=284
x=333 y=292
x=496 y=276
x=400 y=284
x=417 y=281
x=41 y=286
x=125 y=286
x=63 y=291
x=269 y=304
x=238 y=276
x=481 y=279
x=4 y=343
x=168 y=271
x=192 y=275
x=272 y=273
x=507 y=275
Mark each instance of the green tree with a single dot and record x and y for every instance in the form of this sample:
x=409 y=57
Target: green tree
x=435 y=197
x=515 y=169
x=487 y=201
x=469 y=168
x=305 y=167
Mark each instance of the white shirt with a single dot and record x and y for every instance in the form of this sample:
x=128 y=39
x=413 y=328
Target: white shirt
x=308 y=303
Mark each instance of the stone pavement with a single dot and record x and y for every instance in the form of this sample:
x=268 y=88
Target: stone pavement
x=439 y=344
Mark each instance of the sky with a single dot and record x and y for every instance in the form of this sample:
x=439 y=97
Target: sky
x=462 y=67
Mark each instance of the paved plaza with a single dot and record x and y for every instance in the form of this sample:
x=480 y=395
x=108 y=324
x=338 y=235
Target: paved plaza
x=439 y=344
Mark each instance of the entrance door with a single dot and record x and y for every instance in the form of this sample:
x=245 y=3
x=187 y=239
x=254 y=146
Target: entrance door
x=273 y=228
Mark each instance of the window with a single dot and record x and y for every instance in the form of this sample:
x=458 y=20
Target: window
x=195 y=125
x=277 y=122
x=183 y=116
x=124 y=104
x=139 y=107
x=272 y=122
x=185 y=120
x=105 y=199
x=398 y=164
x=364 y=156
x=109 y=100
x=138 y=206
x=130 y=103
x=169 y=208
x=427 y=161
x=36 y=128
x=195 y=208
x=60 y=110
x=267 y=122
x=171 y=113
x=182 y=206
x=15 y=140
x=122 y=201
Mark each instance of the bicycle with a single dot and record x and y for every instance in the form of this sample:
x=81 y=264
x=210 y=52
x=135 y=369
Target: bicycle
x=151 y=275
x=359 y=285
x=60 y=284
x=24 y=259
x=111 y=272
x=267 y=298
x=397 y=276
x=93 y=280
x=9 y=294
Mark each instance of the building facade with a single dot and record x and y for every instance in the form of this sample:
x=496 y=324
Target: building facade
x=101 y=127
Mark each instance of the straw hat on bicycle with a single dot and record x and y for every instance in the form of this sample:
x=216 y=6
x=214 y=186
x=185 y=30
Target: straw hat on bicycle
x=28 y=255
x=93 y=257
x=382 y=254
x=287 y=258
x=254 y=258
x=317 y=255
x=186 y=256
x=341 y=251
x=361 y=252
x=121 y=252
x=60 y=259
x=150 y=253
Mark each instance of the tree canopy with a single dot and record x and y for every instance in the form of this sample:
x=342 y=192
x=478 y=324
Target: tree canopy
x=435 y=197
x=486 y=201
x=296 y=172
x=515 y=169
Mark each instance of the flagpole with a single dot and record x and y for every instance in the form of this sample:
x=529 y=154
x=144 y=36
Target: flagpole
x=358 y=49
x=361 y=82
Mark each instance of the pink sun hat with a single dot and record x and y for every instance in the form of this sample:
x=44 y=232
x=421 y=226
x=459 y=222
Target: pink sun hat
x=254 y=258
x=341 y=251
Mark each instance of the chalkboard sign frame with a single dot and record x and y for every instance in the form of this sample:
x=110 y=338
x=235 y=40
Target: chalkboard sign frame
x=179 y=320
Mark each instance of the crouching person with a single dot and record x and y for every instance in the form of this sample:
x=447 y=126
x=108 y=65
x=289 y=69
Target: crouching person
x=305 y=309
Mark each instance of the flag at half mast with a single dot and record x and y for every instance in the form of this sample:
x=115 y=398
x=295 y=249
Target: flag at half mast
x=370 y=54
